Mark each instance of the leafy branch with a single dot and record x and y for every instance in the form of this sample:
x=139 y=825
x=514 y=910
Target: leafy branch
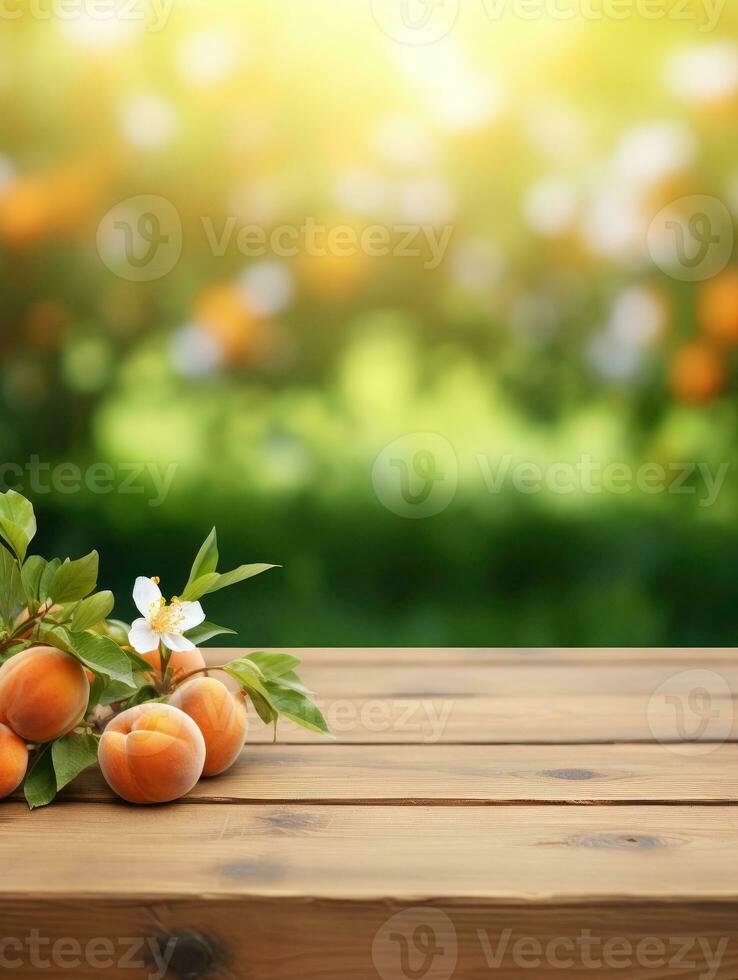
x=54 y=603
x=275 y=689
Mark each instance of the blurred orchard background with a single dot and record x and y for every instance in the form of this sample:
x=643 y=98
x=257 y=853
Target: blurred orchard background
x=271 y=383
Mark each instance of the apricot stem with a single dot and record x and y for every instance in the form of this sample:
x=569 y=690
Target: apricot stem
x=200 y=670
x=164 y=657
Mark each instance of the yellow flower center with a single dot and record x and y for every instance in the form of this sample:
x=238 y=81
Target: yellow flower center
x=165 y=618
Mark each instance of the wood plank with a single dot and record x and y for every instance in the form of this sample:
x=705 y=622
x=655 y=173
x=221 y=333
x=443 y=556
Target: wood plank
x=515 y=720
x=221 y=939
x=209 y=871
x=404 y=656
x=531 y=704
x=360 y=674
x=317 y=843
x=513 y=680
x=542 y=854
x=452 y=775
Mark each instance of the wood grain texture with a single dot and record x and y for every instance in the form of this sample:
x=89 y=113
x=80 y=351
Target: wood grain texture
x=554 y=720
x=266 y=939
x=492 y=797
x=510 y=680
x=486 y=656
x=442 y=775
x=498 y=697
x=564 y=703
x=538 y=854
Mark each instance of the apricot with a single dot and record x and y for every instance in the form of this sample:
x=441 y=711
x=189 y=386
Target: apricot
x=13 y=761
x=152 y=753
x=43 y=693
x=220 y=716
x=179 y=662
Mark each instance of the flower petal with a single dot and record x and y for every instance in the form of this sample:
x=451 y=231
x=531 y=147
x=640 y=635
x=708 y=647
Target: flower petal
x=145 y=594
x=142 y=638
x=180 y=644
x=192 y=615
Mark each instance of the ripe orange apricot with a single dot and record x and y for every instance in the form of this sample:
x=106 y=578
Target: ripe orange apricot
x=43 y=693
x=220 y=716
x=152 y=753
x=179 y=663
x=13 y=761
x=717 y=309
x=697 y=373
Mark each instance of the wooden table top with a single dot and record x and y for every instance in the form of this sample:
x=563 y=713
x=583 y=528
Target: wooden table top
x=482 y=813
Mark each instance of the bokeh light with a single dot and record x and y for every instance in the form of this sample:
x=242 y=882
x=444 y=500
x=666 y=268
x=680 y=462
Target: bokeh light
x=380 y=238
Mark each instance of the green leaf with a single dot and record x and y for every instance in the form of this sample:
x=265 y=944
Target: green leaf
x=138 y=663
x=273 y=665
x=298 y=708
x=47 y=577
x=71 y=755
x=104 y=691
x=243 y=669
x=145 y=693
x=17 y=522
x=240 y=574
x=56 y=636
x=97 y=689
x=40 y=785
x=262 y=707
x=206 y=560
x=99 y=653
x=213 y=581
x=284 y=694
x=103 y=656
x=60 y=616
x=18 y=647
x=116 y=629
x=31 y=573
x=75 y=579
x=12 y=595
x=292 y=682
x=249 y=676
x=92 y=610
x=206 y=631
x=116 y=691
x=200 y=587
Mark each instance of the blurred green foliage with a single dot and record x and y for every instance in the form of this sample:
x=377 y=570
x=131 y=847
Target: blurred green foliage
x=269 y=386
